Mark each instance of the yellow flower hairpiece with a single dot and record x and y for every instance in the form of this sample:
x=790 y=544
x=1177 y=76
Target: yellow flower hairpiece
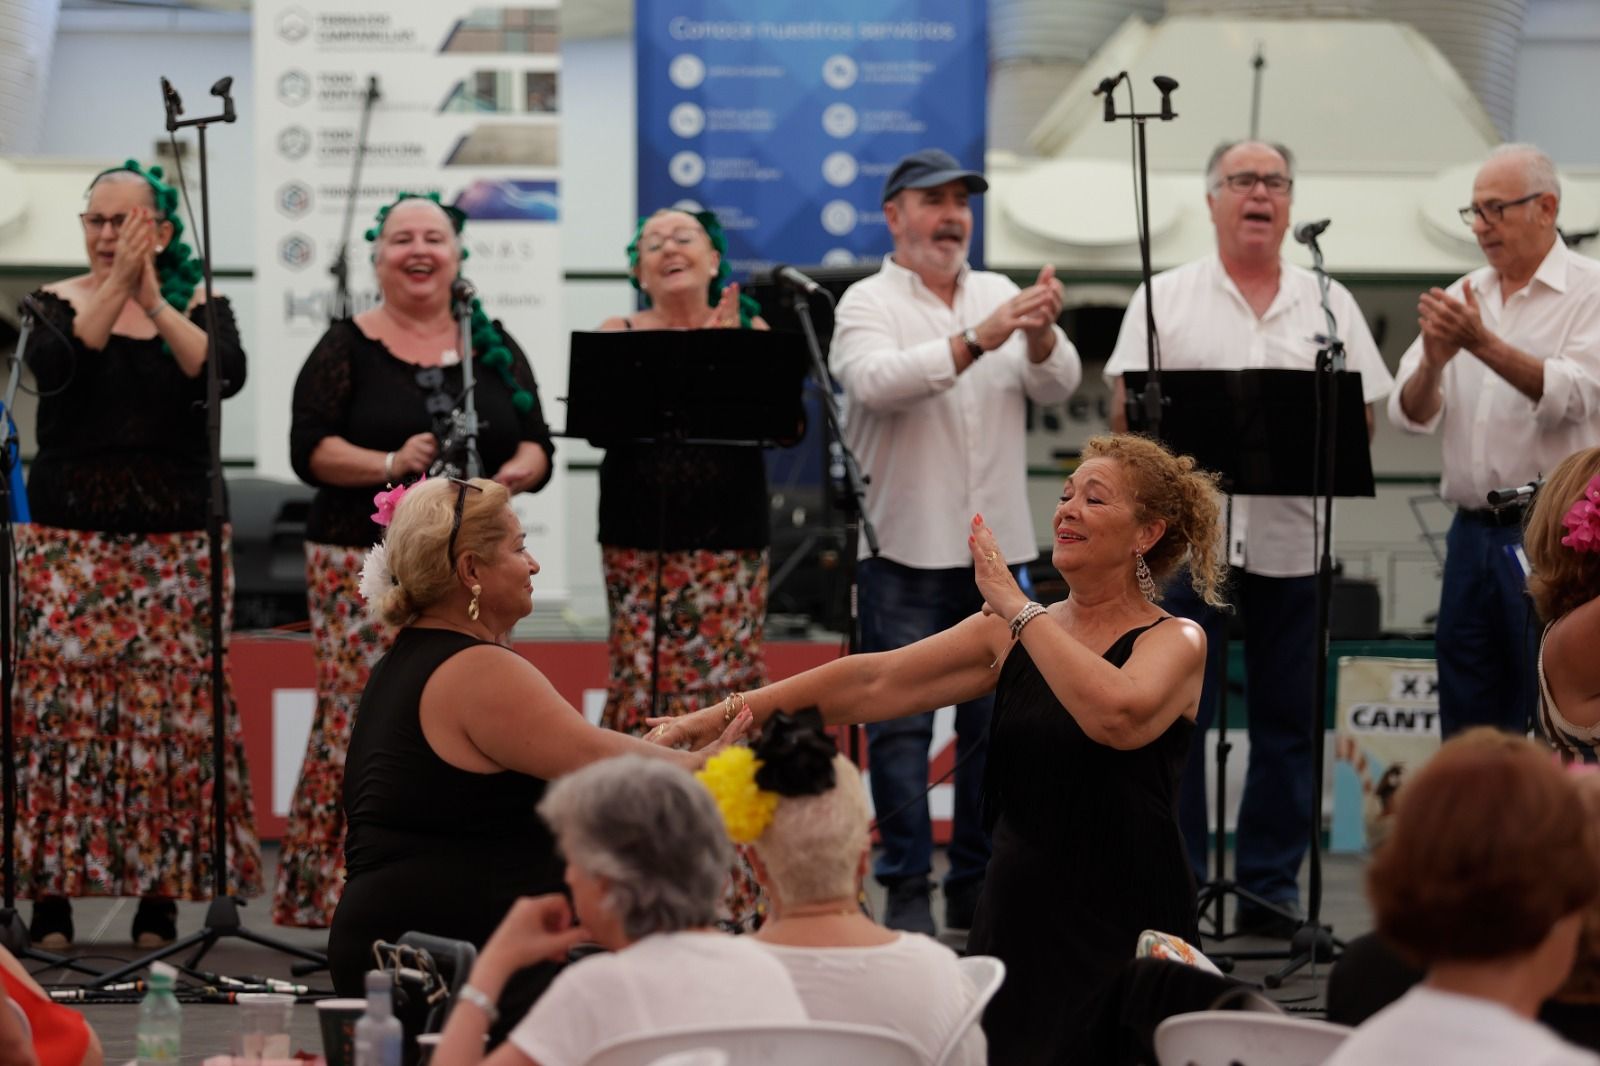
x=730 y=777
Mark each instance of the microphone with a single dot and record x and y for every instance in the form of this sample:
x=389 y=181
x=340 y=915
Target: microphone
x=1520 y=494
x=372 y=87
x=224 y=89
x=1308 y=232
x=796 y=280
x=1166 y=85
x=1104 y=89
x=462 y=290
x=170 y=96
x=30 y=310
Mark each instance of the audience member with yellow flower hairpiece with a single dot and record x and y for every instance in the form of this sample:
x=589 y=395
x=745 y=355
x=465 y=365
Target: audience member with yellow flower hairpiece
x=1562 y=541
x=113 y=698
x=804 y=811
x=374 y=405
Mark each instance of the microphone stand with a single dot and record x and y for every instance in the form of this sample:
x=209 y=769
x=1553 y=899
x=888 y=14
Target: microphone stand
x=1150 y=402
x=843 y=467
x=1314 y=942
x=340 y=269
x=13 y=931
x=222 y=916
x=461 y=295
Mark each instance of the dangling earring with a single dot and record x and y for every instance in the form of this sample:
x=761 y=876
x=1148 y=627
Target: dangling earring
x=472 y=608
x=1141 y=573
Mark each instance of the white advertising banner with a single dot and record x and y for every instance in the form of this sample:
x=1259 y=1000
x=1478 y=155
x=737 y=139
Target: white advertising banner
x=1388 y=727
x=468 y=106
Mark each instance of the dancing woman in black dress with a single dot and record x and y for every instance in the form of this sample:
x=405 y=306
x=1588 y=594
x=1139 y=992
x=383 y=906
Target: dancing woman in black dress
x=1094 y=710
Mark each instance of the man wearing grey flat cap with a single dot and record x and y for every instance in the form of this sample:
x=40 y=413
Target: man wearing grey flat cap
x=937 y=362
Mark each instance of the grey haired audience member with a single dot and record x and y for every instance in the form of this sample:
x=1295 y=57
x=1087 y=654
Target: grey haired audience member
x=653 y=832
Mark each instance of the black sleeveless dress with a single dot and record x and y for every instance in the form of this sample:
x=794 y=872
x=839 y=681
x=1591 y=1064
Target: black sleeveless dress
x=1086 y=856
x=430 y=847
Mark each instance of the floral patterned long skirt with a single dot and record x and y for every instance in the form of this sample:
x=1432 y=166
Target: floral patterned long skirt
x=714 y=618
x=347 y=641
x=113 y=719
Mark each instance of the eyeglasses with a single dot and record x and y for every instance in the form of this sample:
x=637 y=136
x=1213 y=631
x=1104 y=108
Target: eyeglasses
x=461 y=504
x=683 y=238
x=1494 y=211
x=1244 y=181
x=94 y=223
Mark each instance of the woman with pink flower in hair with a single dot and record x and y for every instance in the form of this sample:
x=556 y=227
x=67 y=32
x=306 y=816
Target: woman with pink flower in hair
x=1562 y=541
x=456 y=736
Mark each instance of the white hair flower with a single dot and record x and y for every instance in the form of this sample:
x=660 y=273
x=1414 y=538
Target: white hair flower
x=376 y=578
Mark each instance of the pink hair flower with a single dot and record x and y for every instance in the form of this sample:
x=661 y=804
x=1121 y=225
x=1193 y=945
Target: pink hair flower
x=1583 y=520
x=387 y=501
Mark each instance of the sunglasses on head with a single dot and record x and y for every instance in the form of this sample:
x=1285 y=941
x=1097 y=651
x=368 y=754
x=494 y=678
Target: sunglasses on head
x=461 y=503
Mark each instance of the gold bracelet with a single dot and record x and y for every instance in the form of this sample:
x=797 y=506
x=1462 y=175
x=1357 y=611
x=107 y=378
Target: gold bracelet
x=733 y=705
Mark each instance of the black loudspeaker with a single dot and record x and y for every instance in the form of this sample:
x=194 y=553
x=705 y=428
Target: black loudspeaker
x=269 y=560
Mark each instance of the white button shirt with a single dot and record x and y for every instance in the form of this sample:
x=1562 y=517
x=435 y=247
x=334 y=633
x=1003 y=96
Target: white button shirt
x=1203 y=322
x=1494 y=436
x=937 y=446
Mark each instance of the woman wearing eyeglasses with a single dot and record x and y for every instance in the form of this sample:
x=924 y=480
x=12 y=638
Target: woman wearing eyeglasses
x=376 y=404
x=456 y=737
x=694 y=514
x=113 y=699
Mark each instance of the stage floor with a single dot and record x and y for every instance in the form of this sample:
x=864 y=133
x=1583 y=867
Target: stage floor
x=103 y=931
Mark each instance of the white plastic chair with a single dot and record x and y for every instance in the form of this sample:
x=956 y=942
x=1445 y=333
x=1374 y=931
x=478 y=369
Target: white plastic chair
x=798 y=1044
x=1246 y=1038
x=702 y=1056
x=985 y=974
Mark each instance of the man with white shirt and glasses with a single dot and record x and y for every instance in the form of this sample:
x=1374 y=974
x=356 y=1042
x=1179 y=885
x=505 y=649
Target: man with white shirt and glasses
x=1246 y=308
x=937 y=362
x=1508 y=363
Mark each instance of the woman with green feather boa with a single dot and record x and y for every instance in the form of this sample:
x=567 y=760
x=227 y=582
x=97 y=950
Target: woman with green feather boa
x=113 y=701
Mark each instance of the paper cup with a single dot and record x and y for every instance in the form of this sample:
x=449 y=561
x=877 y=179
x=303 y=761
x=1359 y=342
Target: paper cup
x=337 y=1018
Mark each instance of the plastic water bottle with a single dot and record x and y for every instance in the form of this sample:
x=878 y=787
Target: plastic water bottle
x=378 y=1033
x=160 y=1035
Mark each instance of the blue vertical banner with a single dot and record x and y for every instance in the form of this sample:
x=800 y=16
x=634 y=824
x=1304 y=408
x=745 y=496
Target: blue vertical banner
x=785 y=116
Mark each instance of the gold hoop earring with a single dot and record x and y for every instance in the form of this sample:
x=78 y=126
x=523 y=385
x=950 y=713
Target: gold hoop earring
x=472 y=608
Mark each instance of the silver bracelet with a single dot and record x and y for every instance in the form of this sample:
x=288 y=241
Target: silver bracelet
x=388 y=467
x=161 y=305
x=480 y=999
x=1029 y=612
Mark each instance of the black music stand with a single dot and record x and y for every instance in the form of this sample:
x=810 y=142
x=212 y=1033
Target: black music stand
x=726 y=387
x=1251 y=427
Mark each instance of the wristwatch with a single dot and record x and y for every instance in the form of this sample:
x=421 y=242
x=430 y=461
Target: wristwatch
x=969 y=337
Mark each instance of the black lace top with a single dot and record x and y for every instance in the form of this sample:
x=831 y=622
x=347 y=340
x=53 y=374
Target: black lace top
x=122 y=430
x=353 y=387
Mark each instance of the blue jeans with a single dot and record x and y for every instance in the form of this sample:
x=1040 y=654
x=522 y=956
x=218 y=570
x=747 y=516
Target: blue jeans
x=1274 y=827
x=901 y=605
x=1487 y=639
